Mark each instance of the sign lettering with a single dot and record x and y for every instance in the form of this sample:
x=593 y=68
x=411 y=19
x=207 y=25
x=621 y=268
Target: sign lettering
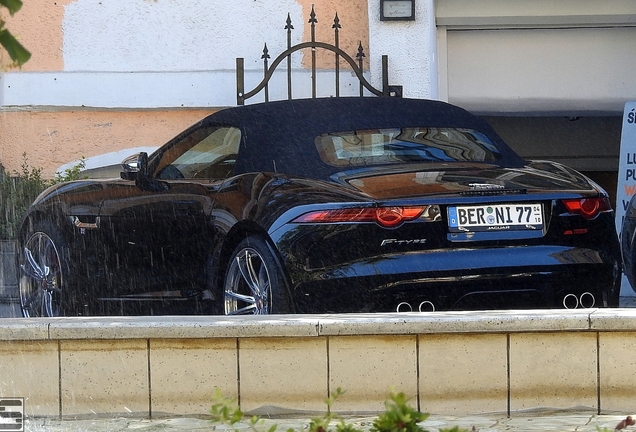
x=626 y=175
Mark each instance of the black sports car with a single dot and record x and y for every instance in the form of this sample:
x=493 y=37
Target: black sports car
x=323 y=205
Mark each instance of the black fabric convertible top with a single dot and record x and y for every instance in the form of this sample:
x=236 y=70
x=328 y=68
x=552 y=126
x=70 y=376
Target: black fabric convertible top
x=279 y=136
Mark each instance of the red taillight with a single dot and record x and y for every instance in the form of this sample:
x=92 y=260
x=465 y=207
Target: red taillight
x=394 y=216
x=339 y=215
x=587 y=207
x=387 y=217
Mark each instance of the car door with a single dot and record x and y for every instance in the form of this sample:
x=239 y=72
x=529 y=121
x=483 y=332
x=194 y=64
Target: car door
x=160 y=229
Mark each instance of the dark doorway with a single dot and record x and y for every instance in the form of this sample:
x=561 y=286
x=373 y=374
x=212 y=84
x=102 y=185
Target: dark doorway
x=589 y=144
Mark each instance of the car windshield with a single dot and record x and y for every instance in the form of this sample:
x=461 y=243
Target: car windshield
x=405 y=145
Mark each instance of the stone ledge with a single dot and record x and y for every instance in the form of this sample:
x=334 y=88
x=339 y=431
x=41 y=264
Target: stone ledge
x=194 y=327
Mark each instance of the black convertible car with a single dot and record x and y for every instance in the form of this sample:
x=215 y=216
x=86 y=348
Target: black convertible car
x=319 y=206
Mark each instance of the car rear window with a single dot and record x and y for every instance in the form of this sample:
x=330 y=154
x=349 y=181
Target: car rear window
x=405 y=145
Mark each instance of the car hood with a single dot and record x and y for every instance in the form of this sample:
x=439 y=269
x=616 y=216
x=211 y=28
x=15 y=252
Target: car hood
x=537 y=177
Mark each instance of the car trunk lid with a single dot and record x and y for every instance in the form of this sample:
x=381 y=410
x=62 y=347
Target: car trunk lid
x=388 y=184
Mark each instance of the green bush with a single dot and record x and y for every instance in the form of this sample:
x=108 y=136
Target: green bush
x=19 y=190
x=398 y=416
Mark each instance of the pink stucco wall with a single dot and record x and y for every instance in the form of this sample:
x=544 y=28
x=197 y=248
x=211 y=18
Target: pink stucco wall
x=53 y=138
x=38 y=26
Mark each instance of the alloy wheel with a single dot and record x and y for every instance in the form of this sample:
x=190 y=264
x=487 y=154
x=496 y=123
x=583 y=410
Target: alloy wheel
x=248 y=285
x=41 y=277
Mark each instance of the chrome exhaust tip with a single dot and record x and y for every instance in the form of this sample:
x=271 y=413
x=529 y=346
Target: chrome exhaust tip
x=570 y=301
x=426 y=306
x=404 y=307
x=587 y=300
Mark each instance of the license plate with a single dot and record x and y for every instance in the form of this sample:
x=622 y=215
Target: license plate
x=499 y=217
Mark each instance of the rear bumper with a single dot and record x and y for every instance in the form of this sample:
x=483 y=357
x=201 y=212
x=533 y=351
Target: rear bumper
x=490 y=278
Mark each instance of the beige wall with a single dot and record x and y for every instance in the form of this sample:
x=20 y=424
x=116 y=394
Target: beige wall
x=454 y=363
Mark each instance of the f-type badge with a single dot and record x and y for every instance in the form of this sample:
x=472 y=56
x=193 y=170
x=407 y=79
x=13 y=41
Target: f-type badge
x=387 y=242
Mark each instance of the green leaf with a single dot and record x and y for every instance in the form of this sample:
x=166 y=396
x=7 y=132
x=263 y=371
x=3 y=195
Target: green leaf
x=16 y=51
x=12 y=5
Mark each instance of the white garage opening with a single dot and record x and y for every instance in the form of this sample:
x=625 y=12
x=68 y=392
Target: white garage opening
x=551 y=77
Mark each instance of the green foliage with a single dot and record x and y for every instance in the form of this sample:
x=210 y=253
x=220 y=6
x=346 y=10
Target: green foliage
x=12 y=5
x=72 y=173
x=226 y=411
x=322 y=424
x=19 y=190
x=16 y=194
x=19 y=55
x=398 y=416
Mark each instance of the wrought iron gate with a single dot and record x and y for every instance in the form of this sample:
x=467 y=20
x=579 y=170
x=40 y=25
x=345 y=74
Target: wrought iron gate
x=268 y=71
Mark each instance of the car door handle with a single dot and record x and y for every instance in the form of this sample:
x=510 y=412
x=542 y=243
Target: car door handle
x=85 y=225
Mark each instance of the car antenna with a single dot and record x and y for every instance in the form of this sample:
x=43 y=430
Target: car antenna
x=274 y=163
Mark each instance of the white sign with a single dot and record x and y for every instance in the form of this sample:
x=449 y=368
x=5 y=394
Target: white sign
x=626 y=175
x=398 y=9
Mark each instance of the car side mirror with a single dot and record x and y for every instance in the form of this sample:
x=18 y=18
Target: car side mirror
x=142 y=165
x=136 y=168
x=130 y=166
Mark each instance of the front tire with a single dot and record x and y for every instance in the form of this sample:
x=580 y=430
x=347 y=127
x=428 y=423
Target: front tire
x=254 y=282
x=43 y=272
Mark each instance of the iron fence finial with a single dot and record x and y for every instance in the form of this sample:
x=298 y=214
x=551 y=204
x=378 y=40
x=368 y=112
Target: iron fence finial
x=361 y=53
x=336 y=23
x=289 y=27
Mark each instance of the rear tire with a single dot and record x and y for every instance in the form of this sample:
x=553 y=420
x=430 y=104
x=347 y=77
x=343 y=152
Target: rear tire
x=44 y=271
x=254 y=281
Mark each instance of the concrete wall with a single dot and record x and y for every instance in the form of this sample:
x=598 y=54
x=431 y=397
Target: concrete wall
x=449 y=363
